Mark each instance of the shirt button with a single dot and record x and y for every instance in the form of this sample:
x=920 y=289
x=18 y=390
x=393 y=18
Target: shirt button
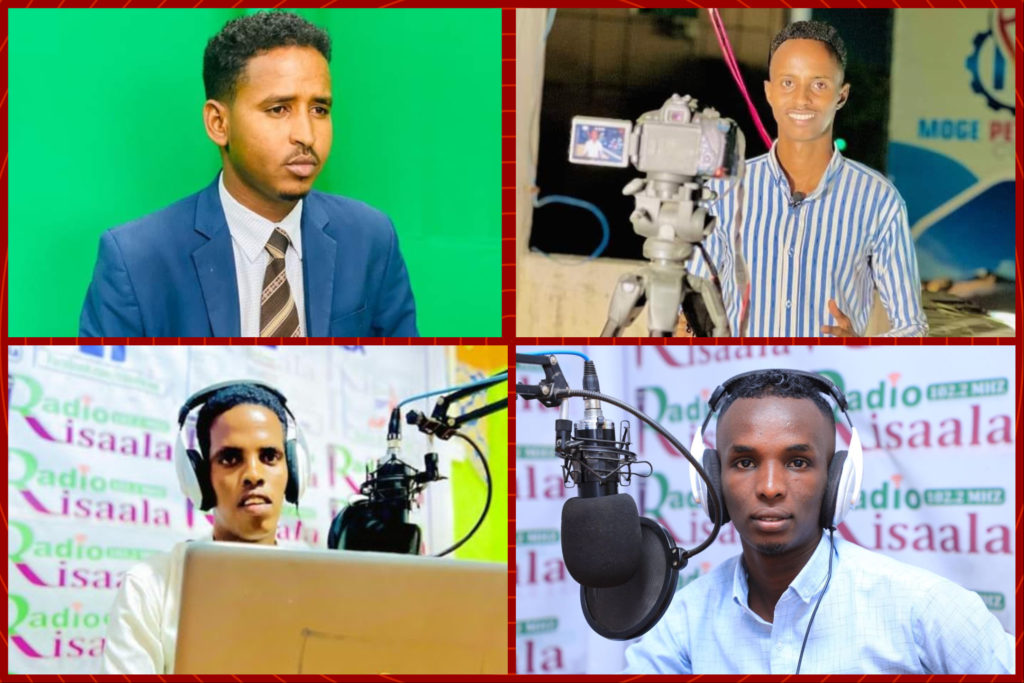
x=791 y=251
x=789 y=304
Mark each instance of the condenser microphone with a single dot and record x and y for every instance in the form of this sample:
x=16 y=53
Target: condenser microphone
x=627 y=565
x=622 y=561
x=600 y=528
x=797 y=198
x=380 y=522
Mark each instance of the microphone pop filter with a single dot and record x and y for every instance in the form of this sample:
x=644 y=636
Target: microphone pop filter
x=633 y=608
x=601 y=539
x=357 y=528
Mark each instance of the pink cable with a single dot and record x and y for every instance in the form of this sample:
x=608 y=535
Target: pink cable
x=723 y=43
x=744 y=306
x=730 y=60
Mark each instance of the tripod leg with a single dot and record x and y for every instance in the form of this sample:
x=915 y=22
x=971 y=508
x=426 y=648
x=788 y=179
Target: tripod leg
x=665 y=283
x=704 y=308
x=628 y=300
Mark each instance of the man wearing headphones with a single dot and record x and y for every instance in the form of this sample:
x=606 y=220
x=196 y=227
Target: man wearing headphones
x=781 y=482
x=245 y=468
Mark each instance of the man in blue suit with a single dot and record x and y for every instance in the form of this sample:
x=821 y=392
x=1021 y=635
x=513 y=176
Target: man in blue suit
x=258 y=252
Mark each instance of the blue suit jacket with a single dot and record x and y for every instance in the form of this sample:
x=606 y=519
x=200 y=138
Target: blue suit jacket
x=172 y=273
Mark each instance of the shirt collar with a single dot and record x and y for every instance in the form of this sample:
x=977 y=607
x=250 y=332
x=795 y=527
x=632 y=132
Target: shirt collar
x=251 y=230
x=807 y=584
x=831 y=171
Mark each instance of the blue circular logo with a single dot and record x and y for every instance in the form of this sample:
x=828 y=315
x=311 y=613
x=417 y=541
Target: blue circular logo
x=992 y=66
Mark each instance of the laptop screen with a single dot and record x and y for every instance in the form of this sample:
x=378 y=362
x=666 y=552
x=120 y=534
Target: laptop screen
x=262 y=610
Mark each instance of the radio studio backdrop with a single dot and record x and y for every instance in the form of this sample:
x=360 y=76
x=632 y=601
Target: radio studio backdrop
x=410 y=88
x=92 y=488
x=938 y=491
x=953 y=113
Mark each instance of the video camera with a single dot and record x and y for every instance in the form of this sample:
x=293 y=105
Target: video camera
x=679 y=149
x=675 y=139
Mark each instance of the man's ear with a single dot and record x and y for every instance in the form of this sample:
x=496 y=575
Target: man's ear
x=215 y=119
x=844 y=94
x=767 y=97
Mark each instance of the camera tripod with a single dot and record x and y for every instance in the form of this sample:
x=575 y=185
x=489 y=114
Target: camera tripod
x=667 y=215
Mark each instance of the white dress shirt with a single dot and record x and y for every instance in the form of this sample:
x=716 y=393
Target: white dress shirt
x=249 y=235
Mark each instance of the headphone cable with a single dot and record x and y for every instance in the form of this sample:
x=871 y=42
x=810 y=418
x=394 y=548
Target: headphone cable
x=831 y=550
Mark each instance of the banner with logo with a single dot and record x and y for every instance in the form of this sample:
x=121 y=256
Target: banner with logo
x=91 y=482
x=951 y=133
x=937 y=426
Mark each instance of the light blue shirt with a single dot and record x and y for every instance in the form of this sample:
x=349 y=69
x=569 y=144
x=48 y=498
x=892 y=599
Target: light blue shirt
x=844 y=241
x=878 y=615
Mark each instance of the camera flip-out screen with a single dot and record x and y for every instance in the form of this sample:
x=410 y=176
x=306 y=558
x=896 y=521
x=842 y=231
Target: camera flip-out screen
x=600 y=142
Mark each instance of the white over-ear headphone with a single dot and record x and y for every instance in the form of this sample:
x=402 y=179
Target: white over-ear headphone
x=194 y=469
x=845 y=470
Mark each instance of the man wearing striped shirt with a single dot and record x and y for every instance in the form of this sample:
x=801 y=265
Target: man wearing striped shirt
x=818 y=234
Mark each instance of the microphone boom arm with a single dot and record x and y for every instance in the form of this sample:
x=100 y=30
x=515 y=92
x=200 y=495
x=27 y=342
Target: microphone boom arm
x=551 y=390
x=443 y=427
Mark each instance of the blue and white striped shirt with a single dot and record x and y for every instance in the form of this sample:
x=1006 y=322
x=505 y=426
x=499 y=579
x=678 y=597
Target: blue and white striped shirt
x=843 y=241
x=878 y=616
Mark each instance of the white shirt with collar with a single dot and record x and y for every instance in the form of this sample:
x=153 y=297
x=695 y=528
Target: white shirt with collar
x=249 y=235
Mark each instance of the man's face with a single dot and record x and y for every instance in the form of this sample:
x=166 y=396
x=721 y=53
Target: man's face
x=249 y=473
x=774 y=454
x=805 y=90
x=279 y=124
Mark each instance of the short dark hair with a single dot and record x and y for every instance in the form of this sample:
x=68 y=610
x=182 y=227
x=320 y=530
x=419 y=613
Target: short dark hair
x=242 y=39
x=812 y=30
x=779 y=383
x=229 y=397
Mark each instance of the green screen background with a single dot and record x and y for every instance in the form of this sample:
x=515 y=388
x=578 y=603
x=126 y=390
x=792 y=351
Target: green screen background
x=105 y=126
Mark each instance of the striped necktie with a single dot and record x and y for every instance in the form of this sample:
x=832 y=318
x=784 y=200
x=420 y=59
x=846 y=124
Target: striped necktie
x=278 y=315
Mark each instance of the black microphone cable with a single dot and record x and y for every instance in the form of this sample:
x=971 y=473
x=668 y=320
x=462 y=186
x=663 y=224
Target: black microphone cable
x=487 y=504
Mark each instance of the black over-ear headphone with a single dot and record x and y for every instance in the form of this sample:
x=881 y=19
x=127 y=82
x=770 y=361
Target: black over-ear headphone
x=194 y=469
x=845 y=470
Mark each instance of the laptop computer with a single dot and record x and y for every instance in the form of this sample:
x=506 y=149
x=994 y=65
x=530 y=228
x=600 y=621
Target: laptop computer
x=267 y=610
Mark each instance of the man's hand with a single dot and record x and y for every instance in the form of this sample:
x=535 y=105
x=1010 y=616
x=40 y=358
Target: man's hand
x=844 y=328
